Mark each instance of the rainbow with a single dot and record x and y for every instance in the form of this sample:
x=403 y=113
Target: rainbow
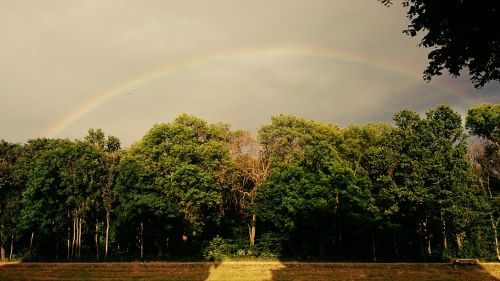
x=243 y=54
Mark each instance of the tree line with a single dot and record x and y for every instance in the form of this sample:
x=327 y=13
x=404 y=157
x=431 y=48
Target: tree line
x=420 y=189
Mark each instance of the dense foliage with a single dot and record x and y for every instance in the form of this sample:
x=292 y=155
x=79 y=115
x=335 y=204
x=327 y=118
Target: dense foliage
x=416 y=190
x=461 y=34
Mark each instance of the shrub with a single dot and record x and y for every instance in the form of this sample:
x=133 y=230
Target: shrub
x=218 y=249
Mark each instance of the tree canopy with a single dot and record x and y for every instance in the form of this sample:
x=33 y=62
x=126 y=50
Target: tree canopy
x=460 y=35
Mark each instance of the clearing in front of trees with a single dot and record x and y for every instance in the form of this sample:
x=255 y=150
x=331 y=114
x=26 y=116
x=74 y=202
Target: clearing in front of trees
x=248 y=270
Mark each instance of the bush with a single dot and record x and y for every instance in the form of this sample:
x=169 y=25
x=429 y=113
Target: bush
x=218 y=249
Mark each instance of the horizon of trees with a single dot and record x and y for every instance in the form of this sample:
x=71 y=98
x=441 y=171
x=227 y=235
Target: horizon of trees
x=418 y=190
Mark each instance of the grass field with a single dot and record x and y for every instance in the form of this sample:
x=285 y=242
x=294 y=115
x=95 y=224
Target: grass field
x=246 y=271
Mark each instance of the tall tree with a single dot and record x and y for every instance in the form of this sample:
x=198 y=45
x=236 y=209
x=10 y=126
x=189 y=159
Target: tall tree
x=432 y=173
x=104 y=198
x=60 y=185
x=253 y=169
x=311 y=190
x=361 y=148
x=140 y=202
x=483 y=121
x=111 y=163
x=187 y=160
x=10 y=191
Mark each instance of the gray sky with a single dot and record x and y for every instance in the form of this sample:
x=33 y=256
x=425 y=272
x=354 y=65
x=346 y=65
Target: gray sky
x=137 y=63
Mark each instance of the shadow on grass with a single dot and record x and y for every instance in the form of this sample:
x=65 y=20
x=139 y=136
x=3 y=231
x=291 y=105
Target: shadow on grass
x=197 y=271
x=385 y=271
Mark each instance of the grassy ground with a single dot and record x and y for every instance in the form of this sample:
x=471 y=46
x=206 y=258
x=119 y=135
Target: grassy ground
x=246 y=271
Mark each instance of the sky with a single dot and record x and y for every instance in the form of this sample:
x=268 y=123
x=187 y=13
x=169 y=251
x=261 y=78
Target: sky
x=123 y=66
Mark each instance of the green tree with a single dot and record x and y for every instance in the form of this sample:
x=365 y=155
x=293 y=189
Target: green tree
x=103 y=197
x=10 y=191
x=362 y=147
x=358 y=139
x=61 y=183
x=141 y=204
x=483 y=121
x=188 y=160
x=111 y=161
x=311 y=189
x=432 y=173
x=460 y=34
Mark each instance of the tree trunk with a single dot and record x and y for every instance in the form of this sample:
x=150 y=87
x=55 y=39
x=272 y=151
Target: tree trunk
x=31 y=243
x=339 y=235
x=69 y=245
x=252 y=230
x=97 y=238
x=78 y=236
x=429 y=248
x=57 y=248
x=395 y=243
x=77 y=230
x=493 y=224
x=427 y=237
x=495 y=236
x=69 y=237
x=459 y=241
x=107 y=234
x=373 y=247
x=3 y=242
x=158 y=244
x=142 y=241
x=424 y=242
x=73 y=242
x=443 y=223
x=11 y=247
x=166 y=247
x=3 y=250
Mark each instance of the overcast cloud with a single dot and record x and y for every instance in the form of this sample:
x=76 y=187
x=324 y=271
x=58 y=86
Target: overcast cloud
x=57 y=55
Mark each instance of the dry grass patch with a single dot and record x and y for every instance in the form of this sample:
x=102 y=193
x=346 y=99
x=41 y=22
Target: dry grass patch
x=493 y=268
x=8 y=262
x=381 y=271
x=247 y=270
x=105 y=271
